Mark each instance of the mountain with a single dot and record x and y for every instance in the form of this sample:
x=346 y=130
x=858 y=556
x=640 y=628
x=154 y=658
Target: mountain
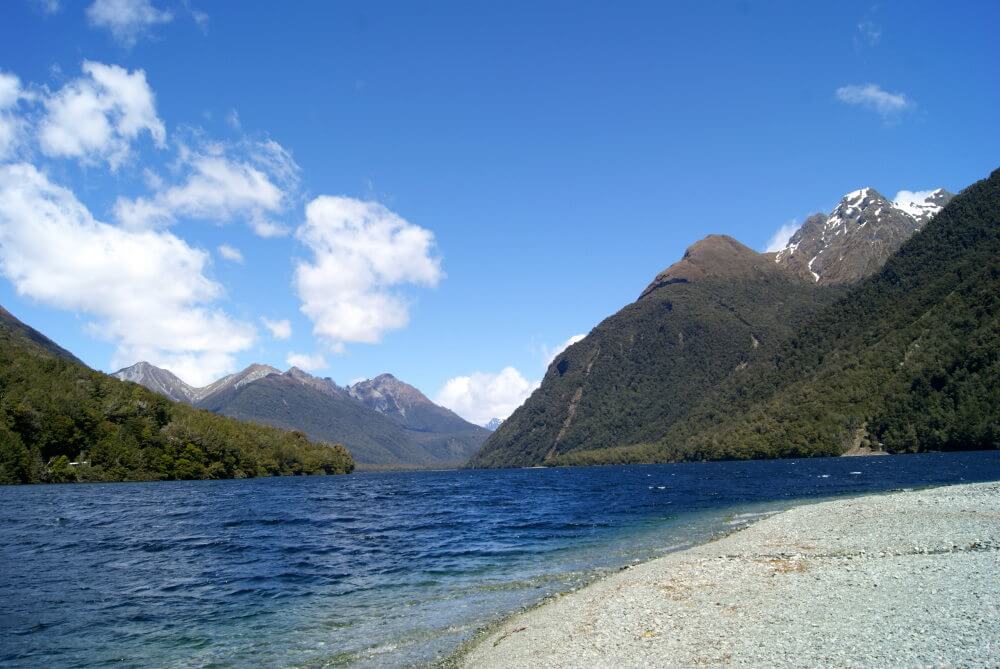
x=164 y=382
x=908 y=360
x=29 y=336
x=62 y=421
x=711 y=319
x=383 y=422
x=493 y=424
x=410 y=408
x=159 y=381
x=718 y=309
x=857 y=237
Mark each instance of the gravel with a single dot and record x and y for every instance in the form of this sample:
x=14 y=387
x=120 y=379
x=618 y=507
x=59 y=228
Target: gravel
x=902 y=579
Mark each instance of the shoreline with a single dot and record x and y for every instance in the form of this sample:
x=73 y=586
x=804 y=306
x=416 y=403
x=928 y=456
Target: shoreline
x=905 y=577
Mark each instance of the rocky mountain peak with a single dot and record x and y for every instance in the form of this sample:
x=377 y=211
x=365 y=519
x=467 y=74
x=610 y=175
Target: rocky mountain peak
x=388 y=395
x=324 y=385
x=158 y=380
x=857 y=237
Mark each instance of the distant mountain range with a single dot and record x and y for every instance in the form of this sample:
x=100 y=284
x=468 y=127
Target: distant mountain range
x=647 y=380
x=384 y=422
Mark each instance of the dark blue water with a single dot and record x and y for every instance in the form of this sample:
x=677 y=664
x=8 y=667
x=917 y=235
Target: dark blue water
x=383 y=569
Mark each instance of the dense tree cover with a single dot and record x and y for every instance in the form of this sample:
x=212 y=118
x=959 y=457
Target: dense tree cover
x=908 y=361
x=61 y=421
x=646 y=367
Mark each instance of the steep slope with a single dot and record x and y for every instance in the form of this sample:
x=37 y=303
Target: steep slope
x=29 y=336
x=61 y=421
x=709 y=315
x=908 y=360
x=443 y=433
x=857 y=237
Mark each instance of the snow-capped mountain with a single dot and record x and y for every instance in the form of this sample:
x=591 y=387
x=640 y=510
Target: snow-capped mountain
x=922 y=205
x=493 y=424
x=857 y=237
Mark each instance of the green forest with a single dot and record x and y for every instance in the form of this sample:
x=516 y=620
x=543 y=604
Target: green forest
x=907 y=361
x=62 y=422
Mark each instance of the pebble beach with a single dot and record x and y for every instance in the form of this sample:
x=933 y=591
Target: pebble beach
x=902 y=579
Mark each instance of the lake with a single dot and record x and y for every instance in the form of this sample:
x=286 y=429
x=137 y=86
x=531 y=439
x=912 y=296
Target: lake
x=367 y=569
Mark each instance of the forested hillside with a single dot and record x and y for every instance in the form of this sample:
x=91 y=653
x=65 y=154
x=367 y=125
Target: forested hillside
x=908 y=360
x=61 y=421
x=719 y=309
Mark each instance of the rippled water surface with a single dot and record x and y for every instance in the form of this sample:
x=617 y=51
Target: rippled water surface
x=370 y=569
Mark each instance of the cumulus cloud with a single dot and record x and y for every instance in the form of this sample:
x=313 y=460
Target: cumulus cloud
x=11 y=126
x=146 y=291
x=96 y=117
x=230 y=253
x=873 y=97
x=551 y=353
x=907 y=197
x=279 y=329
x=361 y=253
x=310 y=362
x=781 y=237
x=126 y=20
x=249 y=180
x=481 y=396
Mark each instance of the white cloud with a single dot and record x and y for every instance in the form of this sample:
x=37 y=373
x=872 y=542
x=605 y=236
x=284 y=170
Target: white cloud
x=551 y=353
x=97 y=117
x=906 y=197
x=233 y=120
x=361 y=252
x=11 y=127
x=230 y=253
x=873 y=97
x=782 y=235
x=310 y=362
x=249 y=180
x=10 y=90
x=127 y=20
x=482 y=396
x=146 y=291
x=279 y=329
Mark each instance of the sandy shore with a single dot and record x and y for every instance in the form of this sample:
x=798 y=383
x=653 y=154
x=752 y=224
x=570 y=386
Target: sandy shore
x=903 y=579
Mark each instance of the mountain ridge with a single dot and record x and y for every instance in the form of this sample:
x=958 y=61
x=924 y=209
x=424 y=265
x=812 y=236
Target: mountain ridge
x=710 y=316
x=384 y=422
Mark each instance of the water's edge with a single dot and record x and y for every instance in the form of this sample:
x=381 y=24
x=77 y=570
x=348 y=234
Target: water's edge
x=457 y=657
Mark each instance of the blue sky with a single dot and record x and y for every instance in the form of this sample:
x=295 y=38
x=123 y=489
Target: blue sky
x=446 y=190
